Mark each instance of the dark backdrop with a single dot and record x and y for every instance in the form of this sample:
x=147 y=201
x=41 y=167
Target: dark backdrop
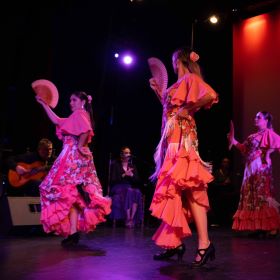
x=72 y=44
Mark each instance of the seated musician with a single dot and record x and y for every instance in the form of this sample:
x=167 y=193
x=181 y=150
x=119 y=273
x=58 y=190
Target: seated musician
x=26 y=171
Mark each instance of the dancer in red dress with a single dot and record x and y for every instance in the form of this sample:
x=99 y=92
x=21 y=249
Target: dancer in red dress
x=182 y=176
x=71 y=194
x=258 y=211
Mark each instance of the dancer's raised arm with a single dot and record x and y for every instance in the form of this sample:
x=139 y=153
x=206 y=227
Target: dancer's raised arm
x=51 y=114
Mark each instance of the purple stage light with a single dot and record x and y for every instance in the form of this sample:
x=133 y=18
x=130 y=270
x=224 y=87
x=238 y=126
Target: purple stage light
x=127 y=60
x=116 y=55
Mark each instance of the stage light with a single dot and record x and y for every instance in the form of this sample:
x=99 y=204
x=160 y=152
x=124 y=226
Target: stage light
x=127 y=59
x=213 y=19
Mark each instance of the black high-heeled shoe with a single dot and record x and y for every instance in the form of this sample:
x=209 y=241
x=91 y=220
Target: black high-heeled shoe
x=205 y=255
x=72 y=239
x=167 y=254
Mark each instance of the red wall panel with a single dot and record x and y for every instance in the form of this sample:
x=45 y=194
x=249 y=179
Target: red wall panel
x=256 y=74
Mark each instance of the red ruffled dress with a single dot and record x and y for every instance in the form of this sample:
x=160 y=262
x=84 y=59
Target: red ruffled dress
x=59 y=191
x=181 y=174
x=257 y=209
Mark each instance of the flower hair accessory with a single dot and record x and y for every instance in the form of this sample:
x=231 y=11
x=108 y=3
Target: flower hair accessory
x=89 y=98
x=194 y=57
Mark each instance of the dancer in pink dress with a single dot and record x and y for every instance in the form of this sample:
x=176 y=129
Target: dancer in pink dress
x=258 y=211
x=71 y=194
x=182 y=176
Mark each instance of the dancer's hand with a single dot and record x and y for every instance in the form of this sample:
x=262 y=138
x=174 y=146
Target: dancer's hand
x=154 y=85
x=40 y=100
x=230 y=136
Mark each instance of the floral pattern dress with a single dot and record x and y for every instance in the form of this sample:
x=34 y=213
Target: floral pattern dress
x=181 y=174
x=60 y=189
x=257 y=209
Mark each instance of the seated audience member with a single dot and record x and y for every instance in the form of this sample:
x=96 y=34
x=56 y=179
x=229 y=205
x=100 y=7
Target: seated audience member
x=126 y=197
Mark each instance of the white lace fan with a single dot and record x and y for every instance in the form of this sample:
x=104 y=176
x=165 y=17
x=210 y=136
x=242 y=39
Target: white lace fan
x=159 y=72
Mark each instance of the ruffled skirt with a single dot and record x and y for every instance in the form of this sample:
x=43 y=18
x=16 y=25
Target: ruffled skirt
x=257 y=209
x=182 y=178
x=59 y=192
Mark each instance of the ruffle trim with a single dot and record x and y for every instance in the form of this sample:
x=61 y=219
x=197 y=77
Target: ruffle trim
x=185 y=171
x=265 y=219
x=170 y=238
x=184 y=174
x=55 y=214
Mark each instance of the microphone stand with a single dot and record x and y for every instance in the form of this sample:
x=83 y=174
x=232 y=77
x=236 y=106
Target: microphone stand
x=109 y=174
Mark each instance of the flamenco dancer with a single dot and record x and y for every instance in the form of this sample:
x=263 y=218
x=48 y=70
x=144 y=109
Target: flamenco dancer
x=258 y=211
x=182 y=177
x=71 y=194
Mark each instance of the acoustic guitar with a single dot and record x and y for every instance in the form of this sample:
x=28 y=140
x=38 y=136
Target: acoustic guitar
x=36 y=171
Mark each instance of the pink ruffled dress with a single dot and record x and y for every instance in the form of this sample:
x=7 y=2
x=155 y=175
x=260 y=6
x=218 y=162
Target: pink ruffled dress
x=59 y=191
x=181 y=174
x=257 y=209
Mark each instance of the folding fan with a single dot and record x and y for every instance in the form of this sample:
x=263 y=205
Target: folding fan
x=47 y=91
x=159 y=72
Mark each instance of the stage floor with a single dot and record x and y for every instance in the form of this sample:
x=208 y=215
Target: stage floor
x=124 y=254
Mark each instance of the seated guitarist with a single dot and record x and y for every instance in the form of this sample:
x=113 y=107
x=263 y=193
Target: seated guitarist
x=26 y=171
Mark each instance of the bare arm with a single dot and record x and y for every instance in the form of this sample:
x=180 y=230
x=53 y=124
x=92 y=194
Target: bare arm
x=51 y=114
x=82 y=144
x=232 y=141
x=83 y=139
x=267 y=156
x=206 y=99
